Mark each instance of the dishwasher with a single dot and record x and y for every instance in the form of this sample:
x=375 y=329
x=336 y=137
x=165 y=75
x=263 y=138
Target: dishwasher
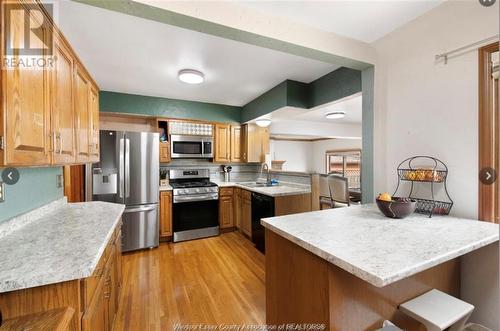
x=262 y=207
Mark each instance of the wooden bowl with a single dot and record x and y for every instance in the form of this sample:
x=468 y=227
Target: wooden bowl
x=396 y=208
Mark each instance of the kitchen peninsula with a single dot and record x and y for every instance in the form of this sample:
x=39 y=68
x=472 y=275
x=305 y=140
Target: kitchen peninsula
x=350 y=268
x=63 y=255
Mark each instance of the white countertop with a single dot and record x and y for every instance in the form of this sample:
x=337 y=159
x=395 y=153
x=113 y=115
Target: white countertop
x=57 y=245
x=273 y=191
x=381 y=250
x=165 y=188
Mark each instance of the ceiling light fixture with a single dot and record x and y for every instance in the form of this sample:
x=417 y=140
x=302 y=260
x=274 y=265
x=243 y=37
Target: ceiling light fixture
x=263 y=122
x=190 y=76
x=335 y=115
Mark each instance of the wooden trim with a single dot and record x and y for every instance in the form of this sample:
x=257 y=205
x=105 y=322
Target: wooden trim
x=299 y=139
x=3 y=88
x=344 y=150
x=488 y=135
x=39 y=299
x=315 y=204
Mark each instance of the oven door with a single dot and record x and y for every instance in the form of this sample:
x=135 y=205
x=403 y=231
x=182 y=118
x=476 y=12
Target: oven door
x=188 y=146
x=195 y=219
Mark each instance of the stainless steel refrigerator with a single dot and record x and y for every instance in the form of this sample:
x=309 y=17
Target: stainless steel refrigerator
x=128 y=173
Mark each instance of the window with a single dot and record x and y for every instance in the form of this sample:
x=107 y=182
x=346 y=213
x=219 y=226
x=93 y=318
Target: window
x=346 y=163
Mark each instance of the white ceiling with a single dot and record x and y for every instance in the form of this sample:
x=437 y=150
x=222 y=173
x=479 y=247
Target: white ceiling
x=362 y=20
x=133 y=55
x=352 y=106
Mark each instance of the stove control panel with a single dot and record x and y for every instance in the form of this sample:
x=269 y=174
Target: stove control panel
x=196 y=190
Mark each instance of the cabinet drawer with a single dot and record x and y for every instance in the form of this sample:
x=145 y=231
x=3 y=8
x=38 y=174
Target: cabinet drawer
x=225 y=191
x=246 y=194
x=90 y=284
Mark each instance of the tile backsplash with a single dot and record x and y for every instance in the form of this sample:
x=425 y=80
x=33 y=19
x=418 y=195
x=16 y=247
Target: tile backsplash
x=241 y=172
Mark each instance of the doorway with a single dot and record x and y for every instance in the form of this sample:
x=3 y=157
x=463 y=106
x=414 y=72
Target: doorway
x=488 y=133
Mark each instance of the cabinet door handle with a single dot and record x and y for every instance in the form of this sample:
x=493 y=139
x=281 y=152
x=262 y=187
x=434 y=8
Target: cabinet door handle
x=60 y=143
x=53 y=137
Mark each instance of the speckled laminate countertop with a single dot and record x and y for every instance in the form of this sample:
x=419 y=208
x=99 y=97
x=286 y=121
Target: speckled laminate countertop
x=273 y=191
x=380 y=250
x=57 y=243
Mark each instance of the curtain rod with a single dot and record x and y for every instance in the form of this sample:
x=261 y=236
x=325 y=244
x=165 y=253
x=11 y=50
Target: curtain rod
x=477 y=43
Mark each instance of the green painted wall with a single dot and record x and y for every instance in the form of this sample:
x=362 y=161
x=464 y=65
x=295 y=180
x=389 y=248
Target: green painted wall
x=35 y=188
x=368 y=115
x=333 y=86
x=163 y=107
x=298 y=94
x=271 y=100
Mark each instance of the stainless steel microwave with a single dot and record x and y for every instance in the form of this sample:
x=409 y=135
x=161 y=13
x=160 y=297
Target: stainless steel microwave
x=186 y=146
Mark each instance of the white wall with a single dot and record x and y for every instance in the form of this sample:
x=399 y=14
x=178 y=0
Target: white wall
x=423 y=107
x=431 y=108
x=308 y=156
x=297 y=154
x=319 y=129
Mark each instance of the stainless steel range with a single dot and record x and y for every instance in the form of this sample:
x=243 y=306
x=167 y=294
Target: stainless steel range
x=195 y=211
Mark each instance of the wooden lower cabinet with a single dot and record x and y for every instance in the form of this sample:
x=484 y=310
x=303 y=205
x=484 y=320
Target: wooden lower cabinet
x=95 y=316
x=226 y=208
x=246 y=215
x=237 y=207
x=95 y=298
x=165 y=152
x=166 y=214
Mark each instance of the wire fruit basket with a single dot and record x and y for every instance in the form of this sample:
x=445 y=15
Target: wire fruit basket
x=411 y=170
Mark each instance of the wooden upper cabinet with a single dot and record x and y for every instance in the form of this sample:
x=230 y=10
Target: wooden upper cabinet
x=237 y=154
x=94 y=124
x=26 y=112
x=50 y=114
x=256 y=144
x=165 y=152
x=63 y=118
x=83 y=115
x=222 y=143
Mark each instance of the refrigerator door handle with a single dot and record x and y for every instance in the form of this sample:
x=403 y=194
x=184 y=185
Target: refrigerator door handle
x=121 y=169
x=141 y=209
x=127 y=168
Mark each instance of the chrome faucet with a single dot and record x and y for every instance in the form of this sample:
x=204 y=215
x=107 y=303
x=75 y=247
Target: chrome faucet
x=268 y=175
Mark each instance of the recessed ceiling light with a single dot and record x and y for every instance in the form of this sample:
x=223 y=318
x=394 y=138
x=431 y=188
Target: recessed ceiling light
x=263 y=122
x=191 y=76
x=335 y=115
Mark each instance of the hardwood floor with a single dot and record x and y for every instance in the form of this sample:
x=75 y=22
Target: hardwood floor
x=214 y=281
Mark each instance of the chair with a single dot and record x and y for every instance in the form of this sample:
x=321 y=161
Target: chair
x=339 y=189
x=334 y=189
x=438 y=311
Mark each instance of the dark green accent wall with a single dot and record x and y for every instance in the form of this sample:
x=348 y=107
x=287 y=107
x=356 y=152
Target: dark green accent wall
x=271 y=100
x=298 y=94
x=334 y=86
x=36 y=187
x=368 y=115
x=162 y=107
